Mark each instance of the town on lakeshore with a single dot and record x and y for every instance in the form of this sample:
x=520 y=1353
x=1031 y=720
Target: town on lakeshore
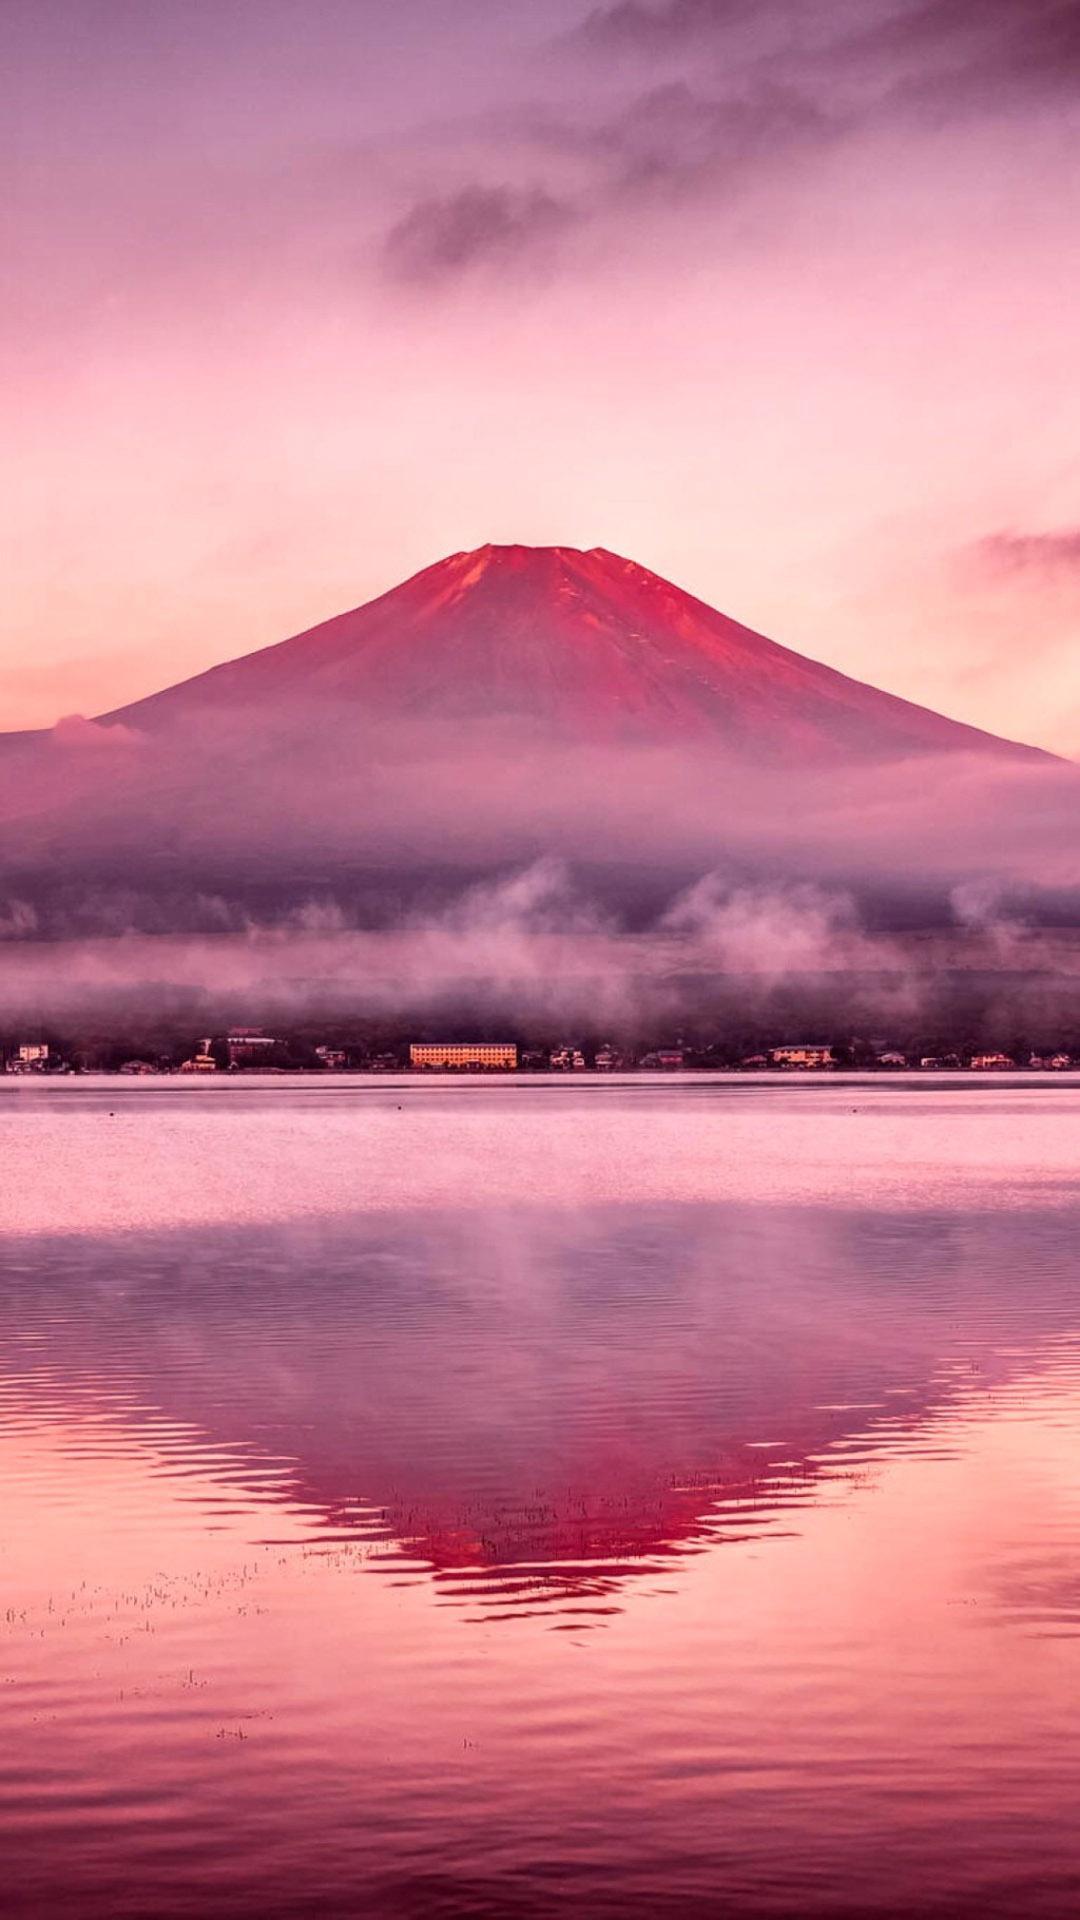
x=255 y=1050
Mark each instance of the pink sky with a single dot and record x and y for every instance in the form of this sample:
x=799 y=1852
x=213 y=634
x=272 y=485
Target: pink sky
x=778 y=300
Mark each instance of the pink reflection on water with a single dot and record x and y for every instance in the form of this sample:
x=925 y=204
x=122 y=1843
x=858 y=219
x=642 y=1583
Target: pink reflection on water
x=647 y=1558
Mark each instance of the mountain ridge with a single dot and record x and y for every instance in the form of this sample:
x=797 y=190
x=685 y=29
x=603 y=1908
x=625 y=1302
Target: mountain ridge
x=582 y=642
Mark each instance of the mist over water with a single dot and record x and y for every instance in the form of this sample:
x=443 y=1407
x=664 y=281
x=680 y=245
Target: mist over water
x=472 y=1500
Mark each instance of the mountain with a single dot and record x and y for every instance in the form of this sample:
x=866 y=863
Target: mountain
x=577 y=645
x=505 y=710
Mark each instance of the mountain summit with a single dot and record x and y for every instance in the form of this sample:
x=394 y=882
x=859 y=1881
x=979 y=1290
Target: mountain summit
x=580 y=645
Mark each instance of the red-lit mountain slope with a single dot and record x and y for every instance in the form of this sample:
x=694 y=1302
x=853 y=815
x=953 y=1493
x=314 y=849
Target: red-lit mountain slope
x=581 y=645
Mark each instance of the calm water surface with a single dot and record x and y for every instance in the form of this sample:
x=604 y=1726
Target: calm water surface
x=619 y=1499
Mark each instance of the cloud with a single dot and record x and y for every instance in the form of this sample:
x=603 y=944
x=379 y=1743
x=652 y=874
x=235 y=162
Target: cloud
x=954 y=55
x=738 y=91
x=444 y=236
x=669 y=141
x=1054 y=553
x=775 y=930
x=1015 y=39
x=75 y=730
x=536 y=899
x=636 y=27
x=531 y=953
x=18 y=920
x=981 y=906
x=676 y=136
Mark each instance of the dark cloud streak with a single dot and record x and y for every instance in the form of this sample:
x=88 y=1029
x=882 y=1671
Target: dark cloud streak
x=961 y=54
x=958 y=57
x=672 y=141
x=444 y=236
x=741 y=91
x=635 y=27
x=1030 y=553
x=675 y=137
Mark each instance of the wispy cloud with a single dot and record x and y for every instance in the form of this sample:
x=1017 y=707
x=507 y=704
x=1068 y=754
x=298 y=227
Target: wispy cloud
x=739 y=91
x=636 y=26
x=956 y=54
x=1055 y=553
x=671 y=141
x=74 y=730
x=675 y=136
x=972 y=52
x=446 y=235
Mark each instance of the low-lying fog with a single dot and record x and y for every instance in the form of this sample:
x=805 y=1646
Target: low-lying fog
x=374 y=871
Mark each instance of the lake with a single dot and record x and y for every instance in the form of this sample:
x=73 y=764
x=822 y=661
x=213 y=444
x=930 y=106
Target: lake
x=627 y=1498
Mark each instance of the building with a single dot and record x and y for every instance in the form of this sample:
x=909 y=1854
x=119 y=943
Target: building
x=334 y=1058
x=249 y=1047
x=803 y=1055
x=609 y=1060
x=892 y=1059
x=30 y=1058
x=567 y=1059
x=663 y=1059
x=459 y=1056
x=203 y=1062
x=991 y=1063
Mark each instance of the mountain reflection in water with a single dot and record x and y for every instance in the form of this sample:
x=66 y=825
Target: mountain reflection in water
x=642 y=1559
x=534 y=1404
